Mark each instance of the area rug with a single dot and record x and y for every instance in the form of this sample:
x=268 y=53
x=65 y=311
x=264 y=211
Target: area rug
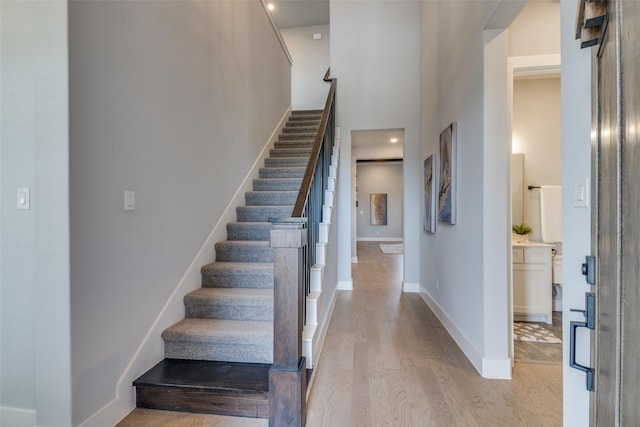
x=531 y=332
x=392 y=248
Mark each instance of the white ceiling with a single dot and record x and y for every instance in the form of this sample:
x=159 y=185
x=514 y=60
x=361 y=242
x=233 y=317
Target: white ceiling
x=375 y=144
x=300 y=13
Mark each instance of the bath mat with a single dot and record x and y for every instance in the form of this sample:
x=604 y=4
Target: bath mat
x=392 y=248
x=531 y=332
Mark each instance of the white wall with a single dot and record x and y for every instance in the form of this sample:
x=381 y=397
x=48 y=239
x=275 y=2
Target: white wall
x=374 y=49
x=453 y=90
x=536 y=134
x=175 y=101
x=536 y=30
x=310 y=63
x=35 y=386
x=576 y=236
x=379 y=178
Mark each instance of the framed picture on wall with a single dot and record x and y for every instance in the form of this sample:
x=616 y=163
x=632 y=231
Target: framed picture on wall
x=447 y=176
x=430 y=194
x=378 y=209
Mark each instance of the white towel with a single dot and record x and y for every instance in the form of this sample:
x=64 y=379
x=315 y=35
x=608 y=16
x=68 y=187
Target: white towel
x=551 y=213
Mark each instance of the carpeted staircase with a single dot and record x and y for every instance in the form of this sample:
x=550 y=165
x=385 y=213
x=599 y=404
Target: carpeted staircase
x=230 y=319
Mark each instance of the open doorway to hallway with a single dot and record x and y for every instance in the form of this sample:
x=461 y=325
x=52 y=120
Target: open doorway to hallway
x=377 y=186
x=536 y=303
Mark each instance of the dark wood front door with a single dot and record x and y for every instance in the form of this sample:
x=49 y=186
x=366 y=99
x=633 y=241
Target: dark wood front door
x=616 y=218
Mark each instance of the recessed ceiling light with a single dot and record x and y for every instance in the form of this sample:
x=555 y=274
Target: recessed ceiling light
x=393 y=140
x=270 y=6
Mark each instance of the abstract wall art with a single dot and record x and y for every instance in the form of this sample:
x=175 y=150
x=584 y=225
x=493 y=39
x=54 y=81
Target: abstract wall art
x=430 y=194
x=378 y=209
x=447 y=178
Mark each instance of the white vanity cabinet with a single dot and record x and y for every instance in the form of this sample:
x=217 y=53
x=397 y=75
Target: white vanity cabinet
x=532 y=282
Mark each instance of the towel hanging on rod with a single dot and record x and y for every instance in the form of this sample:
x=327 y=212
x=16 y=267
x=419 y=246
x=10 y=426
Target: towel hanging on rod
x=551 y=213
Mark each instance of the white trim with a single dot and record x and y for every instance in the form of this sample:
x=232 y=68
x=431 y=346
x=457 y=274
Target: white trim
x=467 y=347
x=380 y=239
x=151 y=349
x=410 y=287
x=345 y=285
x=354 y=260
x=18 y=417
x=314 y=335
x=496 y=369
x=277 y=31
x=535 y=65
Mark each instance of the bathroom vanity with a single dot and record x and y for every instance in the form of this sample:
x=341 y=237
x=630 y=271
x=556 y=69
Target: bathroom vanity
x=532 y=282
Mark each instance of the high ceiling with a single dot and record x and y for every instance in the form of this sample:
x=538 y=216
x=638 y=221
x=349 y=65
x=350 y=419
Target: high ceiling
x=300 y=13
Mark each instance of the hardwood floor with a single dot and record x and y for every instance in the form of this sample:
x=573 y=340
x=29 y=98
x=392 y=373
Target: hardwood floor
x=387 y=361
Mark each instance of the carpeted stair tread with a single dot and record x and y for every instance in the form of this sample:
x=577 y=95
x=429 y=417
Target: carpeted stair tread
x=220 y=340
x=286 y=162
x=277 y=184
x=300 y=129
x=237 y=274
x=230 y=304
x=244 y=251
x=306 y=122
x=292 y=152
x=220 y=330
x=270 y=198
x=313 y=112
x=249 y=231
x=292 y=143
x=282 y=172
x=298 y=136
x=262 y=213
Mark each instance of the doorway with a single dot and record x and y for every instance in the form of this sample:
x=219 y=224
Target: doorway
x=377 y=182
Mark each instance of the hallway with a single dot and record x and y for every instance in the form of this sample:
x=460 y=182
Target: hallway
x=387 y=361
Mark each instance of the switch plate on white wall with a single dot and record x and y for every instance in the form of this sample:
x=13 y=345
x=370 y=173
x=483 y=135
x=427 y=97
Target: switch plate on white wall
x=129 y=200
x=24 y=198
x=581 y=193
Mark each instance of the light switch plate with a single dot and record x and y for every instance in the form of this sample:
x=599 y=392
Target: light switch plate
x=129 y=200
x=581 y=193
x=24 y=198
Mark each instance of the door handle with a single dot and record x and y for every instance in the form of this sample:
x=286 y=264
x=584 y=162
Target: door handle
x=589 y=323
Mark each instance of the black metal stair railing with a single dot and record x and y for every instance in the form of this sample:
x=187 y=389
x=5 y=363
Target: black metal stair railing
x=310 y=201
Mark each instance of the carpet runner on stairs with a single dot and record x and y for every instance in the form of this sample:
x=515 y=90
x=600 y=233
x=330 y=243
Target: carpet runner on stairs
x=229 y=320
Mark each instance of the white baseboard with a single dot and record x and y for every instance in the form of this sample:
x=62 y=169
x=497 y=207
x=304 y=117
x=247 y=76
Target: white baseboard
x=354 y=260
x=467 y=347
x=380 y=239
x=151 y=349
x=17 y=417
x=410 y=287
x=345 y=285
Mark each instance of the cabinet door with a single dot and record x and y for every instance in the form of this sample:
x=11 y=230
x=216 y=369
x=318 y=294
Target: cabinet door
x=531 y=289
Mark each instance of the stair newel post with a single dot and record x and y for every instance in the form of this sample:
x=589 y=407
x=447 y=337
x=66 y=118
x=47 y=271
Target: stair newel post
x=287 y=377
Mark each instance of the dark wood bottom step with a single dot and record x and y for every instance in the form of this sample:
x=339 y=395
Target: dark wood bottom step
x=238 y=389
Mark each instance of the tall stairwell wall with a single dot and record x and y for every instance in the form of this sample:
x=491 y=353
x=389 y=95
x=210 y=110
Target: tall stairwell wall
x=176 y=101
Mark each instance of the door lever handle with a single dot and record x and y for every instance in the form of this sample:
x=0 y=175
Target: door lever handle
x=572 y=354
x=589 y=323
